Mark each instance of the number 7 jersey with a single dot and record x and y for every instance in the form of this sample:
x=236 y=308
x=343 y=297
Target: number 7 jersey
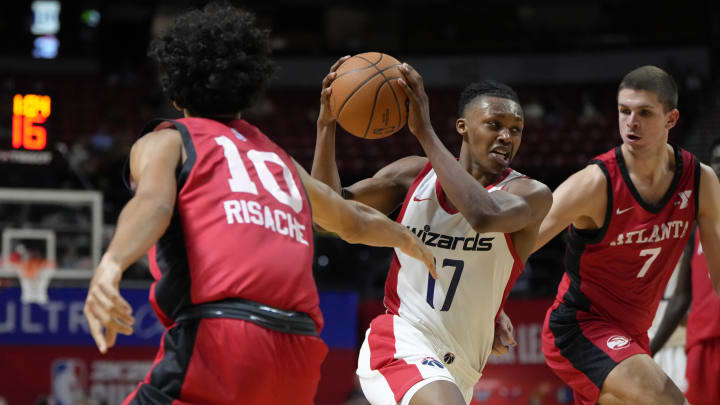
x=242 y=226
x=620 y=271
x=475 y=271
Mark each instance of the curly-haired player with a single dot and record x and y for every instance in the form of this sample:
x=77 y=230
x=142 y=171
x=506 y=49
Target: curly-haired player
x=231 y=225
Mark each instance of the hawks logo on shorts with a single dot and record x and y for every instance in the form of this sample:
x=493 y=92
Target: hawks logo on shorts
x=618 y=342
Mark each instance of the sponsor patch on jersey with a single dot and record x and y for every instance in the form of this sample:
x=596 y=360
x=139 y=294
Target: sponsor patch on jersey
x=618 y=342
x=429 y=361
x=684 y=198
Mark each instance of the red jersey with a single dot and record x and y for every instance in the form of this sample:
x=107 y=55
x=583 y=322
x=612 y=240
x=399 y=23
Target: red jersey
x=704 y=319
x=242 y=226
x=619 y=272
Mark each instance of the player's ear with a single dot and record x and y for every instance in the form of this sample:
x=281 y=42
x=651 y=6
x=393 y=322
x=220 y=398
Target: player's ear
x=672 y=118
x=460 y=127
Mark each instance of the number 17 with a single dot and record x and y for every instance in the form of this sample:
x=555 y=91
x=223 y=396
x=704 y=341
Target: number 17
x=458 y=265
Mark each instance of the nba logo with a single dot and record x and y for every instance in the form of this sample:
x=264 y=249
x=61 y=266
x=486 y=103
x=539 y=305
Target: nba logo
x=68 y=379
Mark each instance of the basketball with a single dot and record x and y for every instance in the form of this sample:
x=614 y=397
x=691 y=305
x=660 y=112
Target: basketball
x=367 y=98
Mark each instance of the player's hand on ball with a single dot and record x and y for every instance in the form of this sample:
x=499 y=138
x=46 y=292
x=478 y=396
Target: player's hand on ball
x=504 y=338
x=105 y=308
x=326 y=115
x=419 y=110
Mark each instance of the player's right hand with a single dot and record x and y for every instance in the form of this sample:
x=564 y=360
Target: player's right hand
x=105 y=308
x=417 y=249
x=326 y=115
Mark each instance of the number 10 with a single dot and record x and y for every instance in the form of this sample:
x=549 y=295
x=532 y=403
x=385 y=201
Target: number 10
x=240 y=181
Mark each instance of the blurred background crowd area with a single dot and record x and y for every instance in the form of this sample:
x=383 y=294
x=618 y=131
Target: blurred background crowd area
x=565 y=59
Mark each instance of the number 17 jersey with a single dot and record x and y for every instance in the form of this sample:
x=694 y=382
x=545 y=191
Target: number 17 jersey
x=457 y=311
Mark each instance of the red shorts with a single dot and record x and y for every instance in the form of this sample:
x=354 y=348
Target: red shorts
x=230 y=361
x=582 y=349
x=703 y=373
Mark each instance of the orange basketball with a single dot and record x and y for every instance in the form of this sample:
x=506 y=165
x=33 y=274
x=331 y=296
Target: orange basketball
x=367 y=98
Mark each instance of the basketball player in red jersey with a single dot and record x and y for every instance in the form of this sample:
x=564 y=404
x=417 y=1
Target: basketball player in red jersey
x=694 y=290
x=630 y=214
x=229 y=214
x=480 y=218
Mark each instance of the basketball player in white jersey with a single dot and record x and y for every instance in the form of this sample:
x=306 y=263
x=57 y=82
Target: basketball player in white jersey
x=479 y=217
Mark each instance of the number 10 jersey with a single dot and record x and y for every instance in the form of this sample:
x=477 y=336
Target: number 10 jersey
x=242 y=226
x=475 y=273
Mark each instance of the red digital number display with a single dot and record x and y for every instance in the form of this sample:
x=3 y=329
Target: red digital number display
x=29 y=111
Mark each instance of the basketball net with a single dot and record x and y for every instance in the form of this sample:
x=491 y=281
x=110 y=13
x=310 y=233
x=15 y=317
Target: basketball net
x=34 y=274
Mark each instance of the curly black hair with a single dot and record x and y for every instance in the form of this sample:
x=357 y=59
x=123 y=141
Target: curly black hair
x=485 y=88
x=215 y=61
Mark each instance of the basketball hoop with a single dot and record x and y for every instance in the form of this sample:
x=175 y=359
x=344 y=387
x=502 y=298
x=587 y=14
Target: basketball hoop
x=34 y=275
x=33 y=268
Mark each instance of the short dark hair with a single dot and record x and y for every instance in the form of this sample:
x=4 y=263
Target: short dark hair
x=490 y=88
x=214 y=61
x=653 y=79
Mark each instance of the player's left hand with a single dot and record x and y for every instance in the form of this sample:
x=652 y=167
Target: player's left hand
x=504 y=338
x=106 y=311
x=419 y=111
x=326 y=115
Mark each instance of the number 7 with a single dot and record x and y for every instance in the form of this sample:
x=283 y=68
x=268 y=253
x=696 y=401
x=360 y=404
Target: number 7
x=459 y=265
x=653 y=253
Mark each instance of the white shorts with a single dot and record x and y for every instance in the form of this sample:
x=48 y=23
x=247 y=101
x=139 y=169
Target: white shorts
x=396 y=360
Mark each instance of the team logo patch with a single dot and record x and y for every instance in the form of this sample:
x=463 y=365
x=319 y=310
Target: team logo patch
x=429 y=361
x=449 y=357
x=618 y=342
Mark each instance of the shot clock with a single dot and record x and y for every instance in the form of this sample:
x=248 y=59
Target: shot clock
x=30 y=111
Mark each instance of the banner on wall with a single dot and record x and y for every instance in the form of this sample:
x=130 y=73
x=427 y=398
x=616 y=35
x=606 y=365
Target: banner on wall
x=47 y=353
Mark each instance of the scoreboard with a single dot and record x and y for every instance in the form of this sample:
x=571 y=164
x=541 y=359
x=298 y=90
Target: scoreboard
x=30 y=111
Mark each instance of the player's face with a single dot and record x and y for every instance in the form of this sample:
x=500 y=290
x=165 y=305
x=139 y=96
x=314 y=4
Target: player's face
x=492 y=126
x=715 y=160
x=641 y=117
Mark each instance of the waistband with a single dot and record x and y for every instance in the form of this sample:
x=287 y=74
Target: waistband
x=298 y=323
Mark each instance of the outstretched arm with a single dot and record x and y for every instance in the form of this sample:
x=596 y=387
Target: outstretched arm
x=708 y=219
x=580 y=200
x=355 y=222
x=680 y=301
x=153 y=160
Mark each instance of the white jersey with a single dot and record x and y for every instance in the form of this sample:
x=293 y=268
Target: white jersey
x=475 y=273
